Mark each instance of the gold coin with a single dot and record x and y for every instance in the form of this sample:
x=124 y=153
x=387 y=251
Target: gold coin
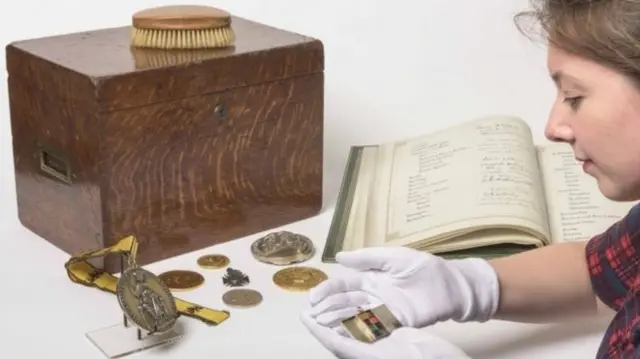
x=146 y=301
x=213 y=261
x=242 y=298
x=298 y=279
x=182 y=279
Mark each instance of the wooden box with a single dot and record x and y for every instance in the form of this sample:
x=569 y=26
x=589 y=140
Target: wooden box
x=183 y=149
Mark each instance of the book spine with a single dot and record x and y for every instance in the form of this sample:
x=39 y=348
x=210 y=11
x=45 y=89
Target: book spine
x=338 y=227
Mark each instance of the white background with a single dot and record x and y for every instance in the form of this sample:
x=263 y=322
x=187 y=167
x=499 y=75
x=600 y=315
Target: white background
x=393 y=70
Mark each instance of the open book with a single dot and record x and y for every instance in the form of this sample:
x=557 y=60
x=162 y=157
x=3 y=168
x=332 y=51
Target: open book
x=481 y=188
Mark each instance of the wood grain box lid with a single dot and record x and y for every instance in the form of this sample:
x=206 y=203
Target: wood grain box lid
x=124 y=77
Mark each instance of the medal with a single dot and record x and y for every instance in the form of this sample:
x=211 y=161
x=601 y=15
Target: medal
x=242 y=298
x=282 y=248
x=298 y=279
x=182 y=280
x=235 y=278
x=145 y=300
x=213 y=261
x=149 y=311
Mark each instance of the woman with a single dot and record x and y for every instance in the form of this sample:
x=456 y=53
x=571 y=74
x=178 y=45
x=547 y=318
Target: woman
x=594 y=60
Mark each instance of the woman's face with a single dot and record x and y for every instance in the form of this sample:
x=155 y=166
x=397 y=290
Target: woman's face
x=597 y=111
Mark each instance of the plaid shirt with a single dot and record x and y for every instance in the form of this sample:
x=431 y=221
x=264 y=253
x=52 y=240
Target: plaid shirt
x=613 y=258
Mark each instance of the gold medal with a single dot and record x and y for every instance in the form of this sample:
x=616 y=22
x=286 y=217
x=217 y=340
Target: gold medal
x=298 y=279
x=242 y=298
x=146 y=301
x=213 y=261
x=180 y=280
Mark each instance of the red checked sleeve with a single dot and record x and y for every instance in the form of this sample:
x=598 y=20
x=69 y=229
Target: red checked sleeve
x=613 y=258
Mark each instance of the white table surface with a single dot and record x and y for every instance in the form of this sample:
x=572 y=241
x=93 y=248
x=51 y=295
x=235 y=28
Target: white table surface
x=382 y=83
x=39 y=291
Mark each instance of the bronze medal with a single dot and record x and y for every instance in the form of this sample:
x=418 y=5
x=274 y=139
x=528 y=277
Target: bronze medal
x=146 y=301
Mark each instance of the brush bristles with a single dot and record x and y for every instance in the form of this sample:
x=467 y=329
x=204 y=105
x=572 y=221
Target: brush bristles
x=182 y=39
x=151 y=58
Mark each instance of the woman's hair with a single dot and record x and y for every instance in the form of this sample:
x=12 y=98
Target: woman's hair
x=604 y=31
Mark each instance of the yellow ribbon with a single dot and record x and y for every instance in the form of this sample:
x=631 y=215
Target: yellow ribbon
x=82 y=272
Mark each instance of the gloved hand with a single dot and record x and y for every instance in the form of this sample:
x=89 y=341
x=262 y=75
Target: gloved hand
x=403 y=343
x=418 y=288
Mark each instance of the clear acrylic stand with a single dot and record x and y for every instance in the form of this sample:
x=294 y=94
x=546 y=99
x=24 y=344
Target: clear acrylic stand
x=120 y=340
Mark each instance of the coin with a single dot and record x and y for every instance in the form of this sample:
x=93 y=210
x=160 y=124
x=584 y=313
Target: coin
x=298 y=279
x=182 y=279
x=213 y=261
x=242 y=298
x=146 y=301
x=282 y=248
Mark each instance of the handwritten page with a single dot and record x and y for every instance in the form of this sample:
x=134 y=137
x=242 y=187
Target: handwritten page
x=479 y=173
x=577 y=209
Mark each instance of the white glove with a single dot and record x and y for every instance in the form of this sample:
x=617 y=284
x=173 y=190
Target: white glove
x=420 y=289
x=403 y=343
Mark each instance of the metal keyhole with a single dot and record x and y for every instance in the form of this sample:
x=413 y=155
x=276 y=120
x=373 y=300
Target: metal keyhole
x=220 y=112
